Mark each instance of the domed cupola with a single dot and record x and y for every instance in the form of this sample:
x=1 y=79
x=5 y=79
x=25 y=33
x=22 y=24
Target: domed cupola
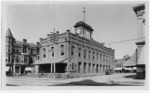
x=83 y=29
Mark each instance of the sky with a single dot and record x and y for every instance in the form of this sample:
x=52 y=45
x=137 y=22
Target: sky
x=111 y=22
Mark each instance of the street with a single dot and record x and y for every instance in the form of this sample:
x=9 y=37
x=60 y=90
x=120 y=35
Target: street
x=122 y=79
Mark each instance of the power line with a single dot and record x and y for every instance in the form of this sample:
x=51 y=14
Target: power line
x=129 y=40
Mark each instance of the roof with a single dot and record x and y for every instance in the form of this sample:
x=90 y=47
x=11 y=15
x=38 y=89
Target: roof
x=32 y=45
x=81 y=23
x=131 y=61
x=8 y=33
x=139 y=7
x=20 y=43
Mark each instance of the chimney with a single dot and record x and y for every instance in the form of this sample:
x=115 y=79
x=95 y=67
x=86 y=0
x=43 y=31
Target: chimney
x=40 y=39
x=24 y=40
x=68 y=30
x=48 y=35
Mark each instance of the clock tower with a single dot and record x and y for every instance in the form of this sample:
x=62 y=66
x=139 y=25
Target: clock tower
x=83 y=29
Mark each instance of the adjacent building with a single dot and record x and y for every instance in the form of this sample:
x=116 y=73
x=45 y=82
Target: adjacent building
x=19 y=54
x=73 y=52
x=140 y=13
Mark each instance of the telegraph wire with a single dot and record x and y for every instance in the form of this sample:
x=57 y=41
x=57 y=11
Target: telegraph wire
x=122 y=41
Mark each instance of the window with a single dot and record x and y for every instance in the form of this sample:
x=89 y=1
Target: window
x=97 y=56
x=24 y=49
x=100 y=57
x=72 y=50
x=44 y=52
x=31 y=51
x=8 y=58
x=62 y=49
x=79 y=52
x=89 y=54
x=17 y=60
x=37 y=50
x=52 y=49
x=93 y=54
x=12 y=59
x=24 y=59
x=84 y=53
x=103 y=58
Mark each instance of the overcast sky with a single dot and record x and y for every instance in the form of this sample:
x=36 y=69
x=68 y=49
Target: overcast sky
x=111 y=22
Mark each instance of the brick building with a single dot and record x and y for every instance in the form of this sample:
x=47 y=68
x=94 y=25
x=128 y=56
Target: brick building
x=19 y=54
x=74 y=52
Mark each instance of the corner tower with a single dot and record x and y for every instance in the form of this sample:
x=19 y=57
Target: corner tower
x=9 y=46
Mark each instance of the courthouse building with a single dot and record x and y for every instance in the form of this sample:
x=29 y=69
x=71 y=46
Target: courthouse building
x=74 y=52
x=19 y=54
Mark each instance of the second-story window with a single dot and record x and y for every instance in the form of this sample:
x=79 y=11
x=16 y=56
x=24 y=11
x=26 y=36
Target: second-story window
x=84 y=53
x=72 y=50
x=24 y=49
x=31 y=51
x=100 y=57
x=79 y=52
x=93 y=54
x=97 y=56
x=44 y=52
x=52 y=49
x=89 y=54
x=17 y=59
x=103 y=58
x=62 y=49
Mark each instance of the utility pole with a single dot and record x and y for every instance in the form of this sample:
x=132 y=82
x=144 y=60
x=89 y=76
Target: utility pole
x=84 y=14
x=54 y=38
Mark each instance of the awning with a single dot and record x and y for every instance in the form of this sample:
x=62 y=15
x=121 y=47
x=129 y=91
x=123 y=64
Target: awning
x=118 y=68
x=48 y=62
x=128 y=68
x=7 y=68
x=134 y=68
x=28 y=69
